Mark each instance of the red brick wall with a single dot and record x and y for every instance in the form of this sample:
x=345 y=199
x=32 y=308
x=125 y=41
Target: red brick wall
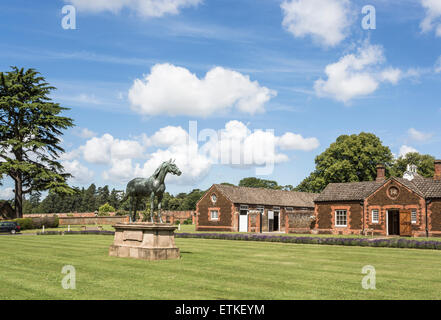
x=325 y=217
x=299 y=221
x=405 y=201
x=225 y=207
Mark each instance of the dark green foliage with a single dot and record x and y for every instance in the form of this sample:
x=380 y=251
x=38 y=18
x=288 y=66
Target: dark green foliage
x=105 y=209
x=425 y=164
x=90 y=200
x=258 y=183
x=30 y=129
x=350 y=159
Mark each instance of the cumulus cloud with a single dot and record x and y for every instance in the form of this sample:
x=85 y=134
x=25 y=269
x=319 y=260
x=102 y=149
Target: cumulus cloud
x=145 y=8
x=85 y=133
x=173 y=90
x=418 y=135
x=235 y=145
x=326 y=21
x=438 y=65
x=80 y=173
x=291 y=141
x=356 y=75
x=404 y=150
x=7 y=193
x=432 y=21
x=102 y=150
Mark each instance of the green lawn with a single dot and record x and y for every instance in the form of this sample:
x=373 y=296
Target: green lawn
x=213 y=269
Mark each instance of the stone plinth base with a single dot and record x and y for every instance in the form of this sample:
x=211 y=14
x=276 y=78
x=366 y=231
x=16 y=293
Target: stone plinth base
x=148 y=241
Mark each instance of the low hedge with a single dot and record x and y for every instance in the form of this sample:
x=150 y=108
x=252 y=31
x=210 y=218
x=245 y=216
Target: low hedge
x=384 y=243
x=38 y=223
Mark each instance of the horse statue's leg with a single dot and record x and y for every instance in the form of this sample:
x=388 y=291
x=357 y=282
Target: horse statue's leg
x=131 y=210
x=152 y=207
x=134 y=209
x=159 y=208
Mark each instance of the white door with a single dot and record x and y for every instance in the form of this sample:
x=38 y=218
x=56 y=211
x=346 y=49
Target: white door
x=243 y=223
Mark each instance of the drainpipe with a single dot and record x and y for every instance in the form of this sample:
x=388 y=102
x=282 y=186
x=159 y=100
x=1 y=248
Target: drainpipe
x=427 y=217
x=362 y=205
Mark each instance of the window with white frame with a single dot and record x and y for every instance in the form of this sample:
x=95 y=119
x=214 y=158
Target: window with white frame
x=261 y=209
x=341 y=218
x=214 y=214
x=414 y=216
x=375 y=216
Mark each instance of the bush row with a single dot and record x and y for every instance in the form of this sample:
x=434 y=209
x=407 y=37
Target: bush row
x=38 y=223
x=51 y=233
x=385 y=243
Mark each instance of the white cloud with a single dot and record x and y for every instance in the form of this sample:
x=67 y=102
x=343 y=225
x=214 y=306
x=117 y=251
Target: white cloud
x=356 y=75
x=169 y=136
x=404 y=150
x=438 y=65
x=103 y=149
x=418 y=135
x=291 y=141
x=80 y=173
x=7 y=194
x=433 y=16
x=145 y=8
x=326 y=21
x=235 y=145
x=85 y=133
x=173 y=90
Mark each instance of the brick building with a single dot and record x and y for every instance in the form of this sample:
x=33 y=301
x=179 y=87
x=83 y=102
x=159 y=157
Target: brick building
x=242 y=209
x=408 y=206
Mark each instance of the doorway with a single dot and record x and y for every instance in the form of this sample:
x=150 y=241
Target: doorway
x=393 y=222
x=274 y=220
x=243 y=219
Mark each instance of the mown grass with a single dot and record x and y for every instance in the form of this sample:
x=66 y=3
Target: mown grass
x=30 y=268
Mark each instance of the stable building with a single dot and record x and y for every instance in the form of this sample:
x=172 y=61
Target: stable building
x=243 y=209
x=407 y=206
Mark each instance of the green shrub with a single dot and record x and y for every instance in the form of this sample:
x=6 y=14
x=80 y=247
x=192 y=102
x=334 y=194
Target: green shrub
x=105 y=209
x=25 y=223
x=188 y=221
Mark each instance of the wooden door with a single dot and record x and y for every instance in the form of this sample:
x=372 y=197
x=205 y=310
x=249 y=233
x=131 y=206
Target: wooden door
x=405 y=224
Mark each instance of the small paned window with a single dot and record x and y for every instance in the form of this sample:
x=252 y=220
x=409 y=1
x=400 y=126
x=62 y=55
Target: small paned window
x=341 y=218
x=375 y=216
x=414 y=216
x=214 y=214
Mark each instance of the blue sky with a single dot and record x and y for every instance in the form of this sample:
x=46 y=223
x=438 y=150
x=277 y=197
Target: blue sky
x=134 y=74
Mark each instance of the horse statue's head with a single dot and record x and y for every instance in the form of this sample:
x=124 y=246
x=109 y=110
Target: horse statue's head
x=171 y=167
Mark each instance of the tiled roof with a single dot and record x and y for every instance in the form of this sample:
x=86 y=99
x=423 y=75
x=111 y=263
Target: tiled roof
x=261 y=196
x=351 y=191
x=429 y=187
x=358 y=191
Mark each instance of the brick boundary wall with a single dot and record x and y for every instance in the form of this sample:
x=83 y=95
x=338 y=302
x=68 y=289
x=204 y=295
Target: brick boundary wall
x=64 y=221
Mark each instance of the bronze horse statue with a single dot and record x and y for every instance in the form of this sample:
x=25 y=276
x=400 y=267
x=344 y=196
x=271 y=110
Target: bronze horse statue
x=152 y=187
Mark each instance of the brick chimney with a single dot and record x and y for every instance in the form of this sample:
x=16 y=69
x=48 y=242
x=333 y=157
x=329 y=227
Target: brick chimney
x=437 y=175
x=381 y=172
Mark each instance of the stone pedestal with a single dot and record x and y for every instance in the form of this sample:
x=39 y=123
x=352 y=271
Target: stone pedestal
x=148 y=241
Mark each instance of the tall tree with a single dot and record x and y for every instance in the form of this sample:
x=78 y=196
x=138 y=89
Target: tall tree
x=424 y=162
x=30 y=130
x=350 y=159
x=253 y=182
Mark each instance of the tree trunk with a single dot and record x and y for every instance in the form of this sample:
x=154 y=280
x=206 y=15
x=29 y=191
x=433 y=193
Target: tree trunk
x=18 y=198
